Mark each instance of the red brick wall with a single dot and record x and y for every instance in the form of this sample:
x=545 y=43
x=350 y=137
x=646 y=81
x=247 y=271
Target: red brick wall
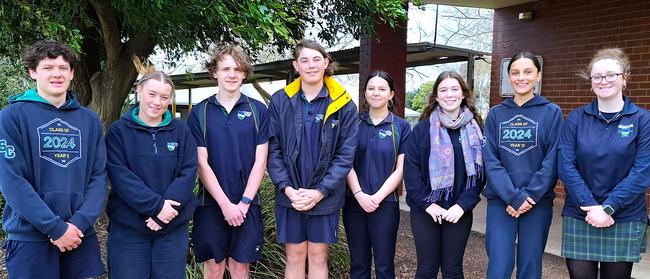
x=566 y=34
x=385 y=50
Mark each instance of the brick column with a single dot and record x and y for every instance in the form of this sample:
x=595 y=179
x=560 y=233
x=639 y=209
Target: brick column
x=385 y=50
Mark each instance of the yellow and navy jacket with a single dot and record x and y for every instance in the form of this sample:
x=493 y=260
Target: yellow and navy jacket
x=338 y=145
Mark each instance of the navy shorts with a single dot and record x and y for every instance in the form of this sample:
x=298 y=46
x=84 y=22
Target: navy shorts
x=296 y=227
x=43 y=260
x=213 y=238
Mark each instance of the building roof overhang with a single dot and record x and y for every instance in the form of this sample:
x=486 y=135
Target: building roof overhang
x=486 y=4
x=418 y=54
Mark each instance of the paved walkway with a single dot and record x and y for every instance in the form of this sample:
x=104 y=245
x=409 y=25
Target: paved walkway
x=641 y=270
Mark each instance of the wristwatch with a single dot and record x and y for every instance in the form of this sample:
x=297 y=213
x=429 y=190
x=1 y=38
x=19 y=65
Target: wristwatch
x=246 y=200
x=608 y=209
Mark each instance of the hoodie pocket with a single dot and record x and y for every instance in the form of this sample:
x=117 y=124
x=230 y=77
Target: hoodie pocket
x=63 y=204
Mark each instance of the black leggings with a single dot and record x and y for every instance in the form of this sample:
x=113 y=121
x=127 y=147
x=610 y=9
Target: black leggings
x=581 y=269
x=439 y=247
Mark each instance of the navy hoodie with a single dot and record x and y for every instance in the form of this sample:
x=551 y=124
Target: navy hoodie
x=605 y=163
x=521 y=151
x=148 y=165
x=52 y=167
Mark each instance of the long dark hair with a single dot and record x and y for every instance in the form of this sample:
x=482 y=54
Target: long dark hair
x=468 y=101
x=391 y=84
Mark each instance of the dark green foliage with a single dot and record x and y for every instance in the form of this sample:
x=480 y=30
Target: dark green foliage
x=420 y=97
x=108 y=33
x=13 y=79
x=273 y=254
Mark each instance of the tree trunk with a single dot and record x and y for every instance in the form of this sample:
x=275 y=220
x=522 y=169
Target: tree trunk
x=110 y=88
x=111 y=82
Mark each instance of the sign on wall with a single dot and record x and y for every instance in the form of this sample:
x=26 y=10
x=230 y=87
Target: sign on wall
x=505 y=90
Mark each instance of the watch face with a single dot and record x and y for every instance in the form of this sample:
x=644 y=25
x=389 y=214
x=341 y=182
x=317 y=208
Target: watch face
x=245 y=200
x=608 y=209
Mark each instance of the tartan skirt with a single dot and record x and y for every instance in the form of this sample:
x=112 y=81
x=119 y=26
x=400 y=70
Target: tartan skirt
x=622 y=242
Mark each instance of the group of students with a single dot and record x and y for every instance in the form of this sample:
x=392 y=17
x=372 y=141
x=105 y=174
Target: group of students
x=323 y=157
x=600 y=153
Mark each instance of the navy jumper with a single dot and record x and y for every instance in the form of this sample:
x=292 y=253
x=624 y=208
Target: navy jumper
x=148 y=165
x=438 y=246
x=416 y=173
x=618 y=158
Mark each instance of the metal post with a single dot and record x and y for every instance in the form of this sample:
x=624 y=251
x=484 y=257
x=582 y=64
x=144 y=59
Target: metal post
x=470 y=72
x=189 y=99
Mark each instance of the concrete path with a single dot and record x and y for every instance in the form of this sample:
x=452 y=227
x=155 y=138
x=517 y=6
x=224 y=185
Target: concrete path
x=641 y=270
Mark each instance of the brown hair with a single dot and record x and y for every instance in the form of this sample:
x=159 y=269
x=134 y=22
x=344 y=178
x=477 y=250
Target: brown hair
x=615 y=54
x=42 y=50
x=311 y=44
x=468 y=101
x=241 y=59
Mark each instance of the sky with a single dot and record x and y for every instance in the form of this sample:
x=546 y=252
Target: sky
x=421 y=27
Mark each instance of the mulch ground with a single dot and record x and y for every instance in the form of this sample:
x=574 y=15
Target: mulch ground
x=475 y=263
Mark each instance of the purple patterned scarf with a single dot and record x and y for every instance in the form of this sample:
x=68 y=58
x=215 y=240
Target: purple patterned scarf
x=441 y=156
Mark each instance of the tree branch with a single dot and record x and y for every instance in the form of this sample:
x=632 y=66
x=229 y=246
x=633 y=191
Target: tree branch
x=110 y=31
x=265 y=95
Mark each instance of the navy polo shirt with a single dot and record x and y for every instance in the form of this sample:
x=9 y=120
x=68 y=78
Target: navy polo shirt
x=313 y=115
x=231 y=140
x=607 y=162
x=376 y=148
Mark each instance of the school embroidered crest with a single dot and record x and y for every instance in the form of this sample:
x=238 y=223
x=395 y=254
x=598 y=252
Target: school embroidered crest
x=243 y=114
x=385 y=133
x=625 y=131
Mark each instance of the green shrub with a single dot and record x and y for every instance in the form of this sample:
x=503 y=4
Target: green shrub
x=273 y=260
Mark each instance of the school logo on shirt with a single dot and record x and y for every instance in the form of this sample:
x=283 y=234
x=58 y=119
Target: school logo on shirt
x=319 y=117
x=9 y=151
x=518 y=135
x=625 y=131
x=59 y=142
x=171 y=146
x=335 y=122
x=243 y=114
x=385 y=133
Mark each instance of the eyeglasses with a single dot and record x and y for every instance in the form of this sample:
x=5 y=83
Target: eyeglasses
x=607 y=77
